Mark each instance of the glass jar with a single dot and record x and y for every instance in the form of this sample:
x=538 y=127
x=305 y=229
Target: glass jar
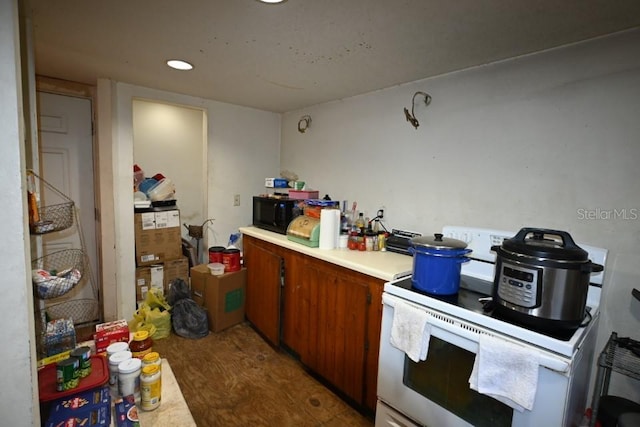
x=141 y=345
x=129 y=378
x=150 y=387
x=152 y=358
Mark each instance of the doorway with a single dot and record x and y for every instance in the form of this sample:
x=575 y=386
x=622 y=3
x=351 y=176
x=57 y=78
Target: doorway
x=170 y=140
x=66 y=169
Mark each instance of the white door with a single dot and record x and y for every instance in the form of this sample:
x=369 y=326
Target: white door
x=66 y=153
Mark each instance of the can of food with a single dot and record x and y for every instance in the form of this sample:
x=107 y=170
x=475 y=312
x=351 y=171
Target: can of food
x=231 y=260
x=67 y=376
x=215 y=254
x=83 y=354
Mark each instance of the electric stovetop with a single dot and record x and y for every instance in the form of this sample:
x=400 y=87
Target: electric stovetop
x=475 y=295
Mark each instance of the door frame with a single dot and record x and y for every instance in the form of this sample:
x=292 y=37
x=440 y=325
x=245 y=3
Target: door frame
x=81 y=90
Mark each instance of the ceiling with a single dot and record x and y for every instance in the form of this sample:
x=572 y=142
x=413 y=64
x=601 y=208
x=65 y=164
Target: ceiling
x=299 y=53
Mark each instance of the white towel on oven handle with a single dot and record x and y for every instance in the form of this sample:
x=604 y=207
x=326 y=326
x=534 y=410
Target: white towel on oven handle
x=505 y=371
x=410 y=330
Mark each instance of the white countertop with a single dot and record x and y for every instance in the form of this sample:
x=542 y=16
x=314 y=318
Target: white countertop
x=382 y=265
x=173 y=409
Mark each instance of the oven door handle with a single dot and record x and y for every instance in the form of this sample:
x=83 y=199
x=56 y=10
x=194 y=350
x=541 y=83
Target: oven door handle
x=468 y=335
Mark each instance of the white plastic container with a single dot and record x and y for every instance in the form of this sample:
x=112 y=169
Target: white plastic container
x=163 y=190
x=129 y=378
x=114 y=361
x=216 y=268
x=117 y=347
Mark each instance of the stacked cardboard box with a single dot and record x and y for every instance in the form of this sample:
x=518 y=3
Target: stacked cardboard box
x=159 y=257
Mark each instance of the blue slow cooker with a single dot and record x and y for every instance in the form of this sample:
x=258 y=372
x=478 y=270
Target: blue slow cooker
x=436 y=263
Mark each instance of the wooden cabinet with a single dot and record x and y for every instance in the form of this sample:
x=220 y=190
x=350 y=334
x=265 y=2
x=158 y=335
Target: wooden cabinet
x=330 y=315
x=337 y=308
x=262 y=302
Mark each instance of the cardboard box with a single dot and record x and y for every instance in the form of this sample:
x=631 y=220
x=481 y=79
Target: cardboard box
x=275 y=183
x=175 y=269
x=147 y=278
x=222 y=296
x=303 y=194
x=110 y=332
x=98 y=416
x=126 y=412
x=157 y=236
x=89 y=399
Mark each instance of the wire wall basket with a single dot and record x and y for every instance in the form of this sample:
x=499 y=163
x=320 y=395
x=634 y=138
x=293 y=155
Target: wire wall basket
x=54 y=218
x=81 y=311
x=48 y=219
x=56 y=274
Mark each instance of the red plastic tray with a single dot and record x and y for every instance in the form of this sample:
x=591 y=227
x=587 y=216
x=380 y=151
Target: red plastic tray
x=47 y=380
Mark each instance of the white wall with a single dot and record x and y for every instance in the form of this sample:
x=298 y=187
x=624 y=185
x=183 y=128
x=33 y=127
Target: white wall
x=243 y=148
x=18 y=394
x=170 y=139
x=525 y=142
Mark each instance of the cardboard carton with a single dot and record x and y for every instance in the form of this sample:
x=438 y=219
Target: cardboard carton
x=222 y=296
x=110 y=332
x=175 y=269
x=157 y=236
x=147 y=278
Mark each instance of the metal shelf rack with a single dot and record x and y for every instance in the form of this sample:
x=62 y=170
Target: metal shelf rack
x=621 y=355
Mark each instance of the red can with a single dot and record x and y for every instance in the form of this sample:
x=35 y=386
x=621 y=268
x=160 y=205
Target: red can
x=231 y=260
x=215 y=254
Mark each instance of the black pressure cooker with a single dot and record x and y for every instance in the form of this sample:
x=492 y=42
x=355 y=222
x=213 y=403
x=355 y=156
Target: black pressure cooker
x=542 y=280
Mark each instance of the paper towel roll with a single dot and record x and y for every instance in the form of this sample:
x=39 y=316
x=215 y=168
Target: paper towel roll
x=329 y=228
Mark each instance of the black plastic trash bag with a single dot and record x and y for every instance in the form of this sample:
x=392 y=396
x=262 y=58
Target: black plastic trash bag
x=188 y=319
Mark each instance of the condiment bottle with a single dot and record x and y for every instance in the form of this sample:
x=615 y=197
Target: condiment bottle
x=152 y=358
x=150 y=387
x=360 y=224
x=141 y=345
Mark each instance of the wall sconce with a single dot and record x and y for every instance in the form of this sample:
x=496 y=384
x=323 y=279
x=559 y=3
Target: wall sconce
x=411 y=118
x=303 y=123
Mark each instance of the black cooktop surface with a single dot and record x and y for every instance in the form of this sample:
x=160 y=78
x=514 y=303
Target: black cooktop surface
x=475 y=295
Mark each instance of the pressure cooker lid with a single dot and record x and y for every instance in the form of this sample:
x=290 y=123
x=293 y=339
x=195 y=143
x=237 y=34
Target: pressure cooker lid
x=439 y=242
x=544 y=243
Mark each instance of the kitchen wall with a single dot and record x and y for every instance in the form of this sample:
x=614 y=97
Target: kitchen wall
x=547 y=140
x=243 y=147
x=18 y=395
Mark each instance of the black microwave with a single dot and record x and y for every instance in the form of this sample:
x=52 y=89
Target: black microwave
x=274 y=214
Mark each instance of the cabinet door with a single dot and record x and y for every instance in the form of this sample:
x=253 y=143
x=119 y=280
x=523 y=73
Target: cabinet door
x=295 y=310
x=337 y=327
x=262 y=306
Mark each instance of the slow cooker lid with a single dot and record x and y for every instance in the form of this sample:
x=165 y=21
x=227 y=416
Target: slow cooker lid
x=439 y=242
x=537 y=243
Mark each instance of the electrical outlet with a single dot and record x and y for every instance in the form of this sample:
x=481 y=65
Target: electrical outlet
x=380 y=213
x=236 y=200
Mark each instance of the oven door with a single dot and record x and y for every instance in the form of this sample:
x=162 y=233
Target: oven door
x=436 y=392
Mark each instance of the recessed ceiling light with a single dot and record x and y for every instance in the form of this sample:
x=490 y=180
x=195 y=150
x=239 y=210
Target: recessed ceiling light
x=271 y=1
x=179 y=64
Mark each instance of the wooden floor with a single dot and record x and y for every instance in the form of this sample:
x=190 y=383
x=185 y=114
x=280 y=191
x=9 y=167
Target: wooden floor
x=234 y=378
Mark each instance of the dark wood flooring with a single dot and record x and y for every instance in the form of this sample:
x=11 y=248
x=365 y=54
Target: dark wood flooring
x=234 y=378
